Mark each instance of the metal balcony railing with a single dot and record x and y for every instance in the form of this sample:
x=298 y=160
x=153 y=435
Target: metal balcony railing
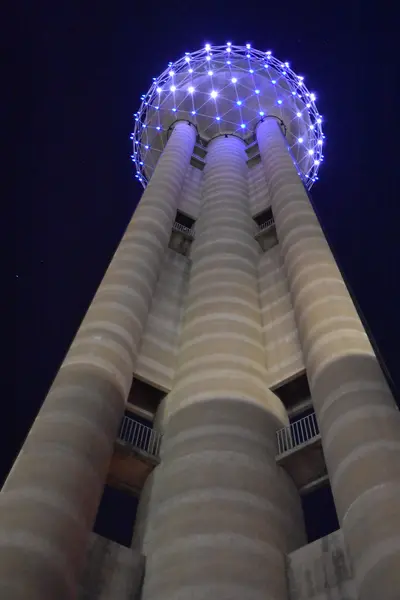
x=182 y=229
x=297 y=433
x=266 y=225
x=139 y=436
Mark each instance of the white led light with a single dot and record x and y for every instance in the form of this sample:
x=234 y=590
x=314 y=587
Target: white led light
x=300 y=140
x=320 y=142
x=311 y=126
x=228 y=62
x=273 y=81
x=208 y=47
x=268 y=52
x=311 y=152
x=239 y=103
x=228 y=49
x=159 y=90
x=173 y=88
x=287 y=64
x=193 y=112
x=146 y=147
x=213 y=94
x=248 y=55
x=257 y=91
x=248 y=46
x=218 y=118
x=319 y=120
x=234 y=80
x=174 y=109
x=262 y=113
x=208 y=57
x=313 y=97
x=191 y=89
x=316 y=162
x=210 y=73
x=190 y=70
x=251 y=70
x=171 y=73
x=243 y=126
x=187 y=58
x=308 y=105
x=229 y=43
x=298 y=114
x=156 y=107
x=279 y=101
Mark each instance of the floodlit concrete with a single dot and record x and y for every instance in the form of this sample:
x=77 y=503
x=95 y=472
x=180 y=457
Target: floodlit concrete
x=49 y=501
x=358 y=419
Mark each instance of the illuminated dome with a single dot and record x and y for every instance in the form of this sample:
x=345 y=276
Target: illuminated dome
x=228 y=90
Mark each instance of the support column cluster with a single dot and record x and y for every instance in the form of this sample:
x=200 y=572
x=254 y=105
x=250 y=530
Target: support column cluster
x=222 y=513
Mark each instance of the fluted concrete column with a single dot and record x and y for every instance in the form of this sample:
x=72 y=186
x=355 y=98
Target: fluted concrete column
x=359 y=422
x=50 y=499
x=223 y=514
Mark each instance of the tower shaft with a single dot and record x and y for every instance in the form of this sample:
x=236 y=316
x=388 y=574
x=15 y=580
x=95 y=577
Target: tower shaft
x=49 y=502
x=358 y=419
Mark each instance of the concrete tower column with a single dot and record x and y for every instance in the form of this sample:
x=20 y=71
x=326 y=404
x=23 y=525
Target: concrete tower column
x=358 y=419
x=50 y=499
x=223 y=514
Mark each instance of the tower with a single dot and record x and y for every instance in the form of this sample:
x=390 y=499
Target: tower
x=224 y=296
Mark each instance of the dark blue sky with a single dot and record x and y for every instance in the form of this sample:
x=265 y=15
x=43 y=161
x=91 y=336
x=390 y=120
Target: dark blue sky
x=80 y=70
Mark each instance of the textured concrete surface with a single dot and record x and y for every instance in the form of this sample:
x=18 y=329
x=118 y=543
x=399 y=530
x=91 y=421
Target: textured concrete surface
x=259 y=199
x=111 y=572
x=190 y=198
x=358 y=419
x=321 y=571
x=283 y=353
x=222 y=514
x=49 y=501
x=156 y=360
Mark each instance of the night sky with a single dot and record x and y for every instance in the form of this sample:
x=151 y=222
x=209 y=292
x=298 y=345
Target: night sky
x=80 y=69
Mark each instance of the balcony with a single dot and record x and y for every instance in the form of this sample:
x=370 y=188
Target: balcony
x=136 y=453
x=186 y=231
x=264 y=227
x=300 y=453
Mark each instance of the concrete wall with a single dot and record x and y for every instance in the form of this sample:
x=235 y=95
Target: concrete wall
x=190 y=199
x=157 y=354
x=111 y=571
x=283 y=354
x=258 y=191
x=321 y=571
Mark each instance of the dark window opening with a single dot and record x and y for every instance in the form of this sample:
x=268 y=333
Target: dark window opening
x=264 y=216
x=184 y=220
x=294 y=392
x=116 y=516
x=145 y=398
x=319 y=513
